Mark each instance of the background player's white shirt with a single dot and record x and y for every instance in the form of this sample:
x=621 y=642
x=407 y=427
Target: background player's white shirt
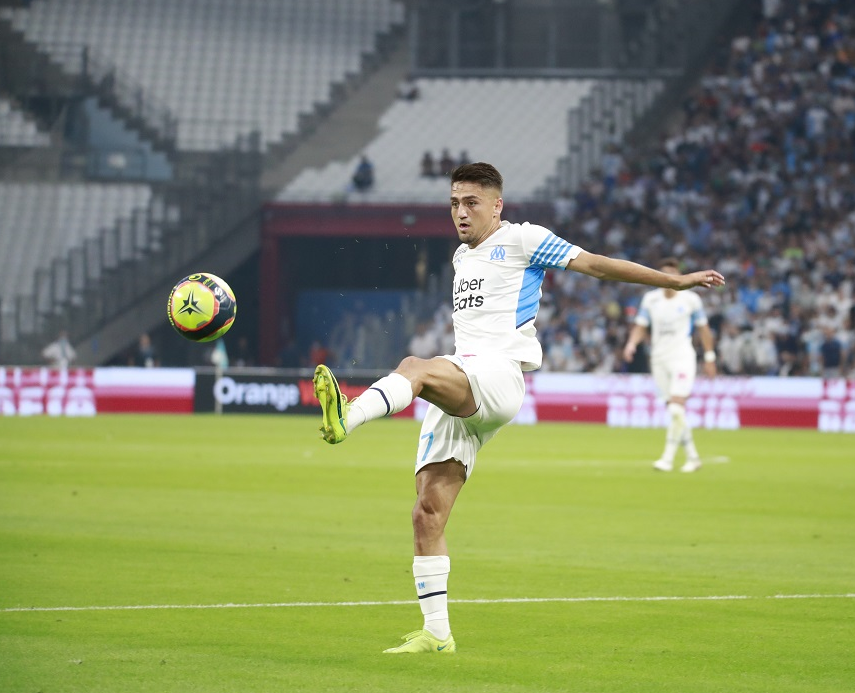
x=671 y=322
x=496 y=291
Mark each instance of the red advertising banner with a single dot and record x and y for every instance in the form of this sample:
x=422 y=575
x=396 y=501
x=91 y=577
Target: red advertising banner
x=725 y=402
x=90 y=391
x=615 y=400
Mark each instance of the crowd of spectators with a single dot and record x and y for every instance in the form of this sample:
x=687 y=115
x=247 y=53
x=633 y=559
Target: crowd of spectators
x=756 y=180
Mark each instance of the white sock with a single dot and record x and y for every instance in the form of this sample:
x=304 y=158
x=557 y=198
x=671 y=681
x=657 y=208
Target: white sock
x=387 y=396
x=674 y=434
x=688 y=442
x=431 y=575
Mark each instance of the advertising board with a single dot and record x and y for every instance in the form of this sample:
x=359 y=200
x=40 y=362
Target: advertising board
x=614 y=400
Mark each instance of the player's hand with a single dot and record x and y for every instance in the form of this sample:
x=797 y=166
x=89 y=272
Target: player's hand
x=709 y=369
x=629 y=352
x=706 y=279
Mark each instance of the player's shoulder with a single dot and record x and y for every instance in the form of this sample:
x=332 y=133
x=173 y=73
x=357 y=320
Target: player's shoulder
x=529 y=227
x=524 y=229
x=691 y=297
x=653 y=295
x=522 y=237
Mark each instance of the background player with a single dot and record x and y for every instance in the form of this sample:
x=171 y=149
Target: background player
x=671 y=318
x=498 y=272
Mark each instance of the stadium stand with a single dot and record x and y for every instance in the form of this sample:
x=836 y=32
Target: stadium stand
x=42 y=222
x=756 y=180
x=251 y=74
x=16 y=130
x=500 y=127
x=256 y=65
x=753 y=177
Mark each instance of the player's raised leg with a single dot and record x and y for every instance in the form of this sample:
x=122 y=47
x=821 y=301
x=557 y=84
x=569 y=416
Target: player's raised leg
x=436 y=380
x=387 y=396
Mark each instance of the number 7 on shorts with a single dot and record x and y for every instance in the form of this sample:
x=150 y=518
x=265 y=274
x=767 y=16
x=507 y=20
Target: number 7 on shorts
x=429 y=437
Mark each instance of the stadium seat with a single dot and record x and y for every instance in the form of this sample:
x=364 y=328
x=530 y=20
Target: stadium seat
x=223 y=69
x=524 y=142
x=16 y=130
x=41 y=222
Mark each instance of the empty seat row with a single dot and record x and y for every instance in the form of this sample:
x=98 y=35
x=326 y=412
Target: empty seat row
x=199 y=57
x=518 y=125
x=522 y=126
x=16 y=130
x=41 y=222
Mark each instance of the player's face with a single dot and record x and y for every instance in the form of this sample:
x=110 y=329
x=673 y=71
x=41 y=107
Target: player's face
x=476 y=211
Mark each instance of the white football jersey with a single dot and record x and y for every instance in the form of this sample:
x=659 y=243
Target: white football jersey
x=496 y=291
x=671 y=322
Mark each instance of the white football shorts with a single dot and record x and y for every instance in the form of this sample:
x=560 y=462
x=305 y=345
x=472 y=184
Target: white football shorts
x=498 y=386
x=675 y=377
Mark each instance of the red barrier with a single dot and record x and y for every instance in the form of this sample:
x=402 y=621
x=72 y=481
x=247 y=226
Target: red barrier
x=615 y=400
x=90 y=391
x=726 y=402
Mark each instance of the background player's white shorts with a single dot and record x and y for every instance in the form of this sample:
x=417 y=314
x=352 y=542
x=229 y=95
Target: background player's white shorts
x=675 y=377
x=498 y=386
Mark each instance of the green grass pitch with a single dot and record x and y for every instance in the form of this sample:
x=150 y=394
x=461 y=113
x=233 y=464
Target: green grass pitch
x=249 y=534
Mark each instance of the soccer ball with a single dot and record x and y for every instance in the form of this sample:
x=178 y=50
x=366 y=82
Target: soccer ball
x=201 y=307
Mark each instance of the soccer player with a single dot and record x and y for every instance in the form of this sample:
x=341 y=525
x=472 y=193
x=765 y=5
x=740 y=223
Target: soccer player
x=671 y=318
x=498 y=271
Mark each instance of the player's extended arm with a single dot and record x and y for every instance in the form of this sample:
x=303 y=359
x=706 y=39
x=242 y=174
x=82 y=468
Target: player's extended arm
x=603 y=267
x=708 y=342
x=636 y=337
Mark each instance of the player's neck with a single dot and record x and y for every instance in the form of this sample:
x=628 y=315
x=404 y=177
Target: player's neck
x=670 y=293
x=496 y=226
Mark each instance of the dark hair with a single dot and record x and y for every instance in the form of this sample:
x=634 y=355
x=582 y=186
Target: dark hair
x=485 y=175
x=669 y=262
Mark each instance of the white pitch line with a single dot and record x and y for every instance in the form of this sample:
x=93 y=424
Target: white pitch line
x=515 y=600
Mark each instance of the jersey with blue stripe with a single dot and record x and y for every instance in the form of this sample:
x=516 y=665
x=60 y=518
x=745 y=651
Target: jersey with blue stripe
x=497 y=290
x=671 y=322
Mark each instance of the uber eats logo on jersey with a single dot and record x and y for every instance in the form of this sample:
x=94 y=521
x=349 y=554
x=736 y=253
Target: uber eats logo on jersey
x=464 y=296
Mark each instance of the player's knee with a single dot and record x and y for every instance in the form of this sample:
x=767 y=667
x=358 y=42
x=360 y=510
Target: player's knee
x=417 y=371
x=427 y=518
x=677 y=410
x=412 y=368
x=409 y=364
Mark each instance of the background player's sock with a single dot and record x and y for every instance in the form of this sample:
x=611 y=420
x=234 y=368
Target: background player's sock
x=674 y=434
x=431 y=575
x=688 y=442
x=387 y=396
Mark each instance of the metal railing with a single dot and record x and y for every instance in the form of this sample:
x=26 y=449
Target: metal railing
x=603 y=117
x=98 y=72
x=209 y=134
x=109 y=272
x=76 y=70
